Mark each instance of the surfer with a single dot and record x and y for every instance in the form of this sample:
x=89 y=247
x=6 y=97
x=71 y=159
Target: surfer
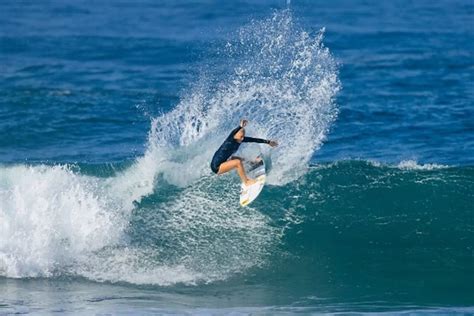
x=223 y=161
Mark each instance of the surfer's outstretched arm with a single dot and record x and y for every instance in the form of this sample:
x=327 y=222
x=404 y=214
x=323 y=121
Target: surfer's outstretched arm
x=259 y=140
x=238 y=134
x=255 y=140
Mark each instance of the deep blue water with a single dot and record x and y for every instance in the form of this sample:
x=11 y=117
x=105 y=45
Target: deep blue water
x=111 y=111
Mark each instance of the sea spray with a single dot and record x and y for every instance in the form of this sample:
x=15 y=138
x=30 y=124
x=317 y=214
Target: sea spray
x=280 y=78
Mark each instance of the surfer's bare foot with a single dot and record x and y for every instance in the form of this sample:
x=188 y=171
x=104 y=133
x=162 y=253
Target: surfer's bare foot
x=250 y=182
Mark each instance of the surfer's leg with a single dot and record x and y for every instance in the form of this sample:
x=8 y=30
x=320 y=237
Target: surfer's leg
x=235 y=164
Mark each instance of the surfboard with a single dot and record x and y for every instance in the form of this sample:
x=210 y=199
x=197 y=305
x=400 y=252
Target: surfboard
x=254 y=170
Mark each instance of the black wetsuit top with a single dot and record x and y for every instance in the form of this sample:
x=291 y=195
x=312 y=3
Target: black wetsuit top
x=229 y=147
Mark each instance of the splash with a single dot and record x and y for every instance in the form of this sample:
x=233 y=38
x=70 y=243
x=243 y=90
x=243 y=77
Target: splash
x=280 y=77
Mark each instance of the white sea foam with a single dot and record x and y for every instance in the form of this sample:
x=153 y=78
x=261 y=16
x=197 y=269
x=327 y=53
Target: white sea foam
x=54 y=221
x=49 y=216
x=404 y=164
x=413 y=165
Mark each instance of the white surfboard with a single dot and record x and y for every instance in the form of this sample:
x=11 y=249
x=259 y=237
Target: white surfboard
x=254 y=170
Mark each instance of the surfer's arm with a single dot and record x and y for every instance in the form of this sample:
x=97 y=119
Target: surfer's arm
x=255 y=140
x=234 y=131
x=260 y=140
x=242 y=124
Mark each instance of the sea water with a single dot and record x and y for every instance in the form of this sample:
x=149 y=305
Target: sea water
x=110 y=113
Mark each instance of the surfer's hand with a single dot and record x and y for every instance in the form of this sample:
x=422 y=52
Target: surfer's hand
x=243 y=123
x=272 y=143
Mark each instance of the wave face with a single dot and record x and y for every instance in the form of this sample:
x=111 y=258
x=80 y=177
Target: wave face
x=391 y=232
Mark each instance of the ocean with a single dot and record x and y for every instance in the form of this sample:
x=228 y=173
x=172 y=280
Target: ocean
x=110 y=113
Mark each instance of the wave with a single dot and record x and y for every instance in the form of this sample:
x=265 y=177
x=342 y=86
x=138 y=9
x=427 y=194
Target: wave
x=57 y=220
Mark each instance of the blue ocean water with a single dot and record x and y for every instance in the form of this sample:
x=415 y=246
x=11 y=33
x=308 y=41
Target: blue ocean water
x=110 y=113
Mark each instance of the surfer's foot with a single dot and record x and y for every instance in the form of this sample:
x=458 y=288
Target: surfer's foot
x=250 y=182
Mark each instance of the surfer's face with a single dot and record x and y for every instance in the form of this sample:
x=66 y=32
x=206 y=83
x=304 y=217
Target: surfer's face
x=239 y=136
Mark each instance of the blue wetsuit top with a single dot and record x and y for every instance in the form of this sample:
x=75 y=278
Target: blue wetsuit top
x=230 y=146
